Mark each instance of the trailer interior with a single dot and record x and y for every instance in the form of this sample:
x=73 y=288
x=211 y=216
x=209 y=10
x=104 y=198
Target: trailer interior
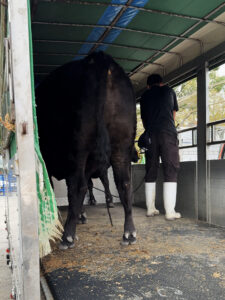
x=180 y=40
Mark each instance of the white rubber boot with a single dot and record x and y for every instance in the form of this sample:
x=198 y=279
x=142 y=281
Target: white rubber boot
x=150 y=199
x=169 y=198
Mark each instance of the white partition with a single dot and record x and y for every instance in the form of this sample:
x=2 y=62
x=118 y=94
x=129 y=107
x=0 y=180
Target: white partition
x=187 y=202
x=60 y=190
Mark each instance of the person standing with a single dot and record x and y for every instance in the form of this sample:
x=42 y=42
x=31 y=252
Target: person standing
x=158 y=110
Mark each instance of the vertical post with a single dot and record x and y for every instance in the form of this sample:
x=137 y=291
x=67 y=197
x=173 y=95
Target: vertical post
x=202 y=106
x=2 y=36
x=28 y=202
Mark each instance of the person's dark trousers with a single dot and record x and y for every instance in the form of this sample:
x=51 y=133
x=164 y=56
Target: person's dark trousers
x=164 y=145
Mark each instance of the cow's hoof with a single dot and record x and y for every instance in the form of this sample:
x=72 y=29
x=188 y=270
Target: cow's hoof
x=110 y=204
x=82 y=219
x=69 y=239
x=92 y=201
x=66 y=245
x=129 y=239
x=125 y=241
x=68 y=242
x=132 y=240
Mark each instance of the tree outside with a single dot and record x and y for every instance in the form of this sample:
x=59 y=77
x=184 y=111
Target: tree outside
x=140 y=130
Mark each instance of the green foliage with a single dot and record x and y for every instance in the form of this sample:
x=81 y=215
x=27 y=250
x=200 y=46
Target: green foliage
x=140 y=130
x=216 y=96
x=186 y=89
x=187 y=100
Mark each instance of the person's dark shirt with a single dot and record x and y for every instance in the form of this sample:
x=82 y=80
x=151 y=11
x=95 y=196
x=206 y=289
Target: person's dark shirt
x=157 y=106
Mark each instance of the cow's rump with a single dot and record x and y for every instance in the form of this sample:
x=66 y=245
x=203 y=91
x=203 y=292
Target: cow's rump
x=86 y=115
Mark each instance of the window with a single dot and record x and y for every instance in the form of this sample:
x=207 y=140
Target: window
x=186 y=119
x=140 y=130
x=216 y=109
x=217 y=94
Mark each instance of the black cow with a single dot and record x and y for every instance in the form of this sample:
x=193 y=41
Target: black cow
x=86 y=114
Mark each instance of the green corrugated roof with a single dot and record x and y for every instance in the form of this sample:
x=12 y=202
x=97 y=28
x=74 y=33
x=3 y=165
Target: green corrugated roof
x=65 y=12
x=60 y=28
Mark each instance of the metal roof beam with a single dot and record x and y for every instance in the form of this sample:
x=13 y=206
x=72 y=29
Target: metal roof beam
x=84 y=55
x=189 y=70
x=111 y=45
x=179 y=37
x=210 y=57
x=187 y=31
x=154 y=11
x=111 y=25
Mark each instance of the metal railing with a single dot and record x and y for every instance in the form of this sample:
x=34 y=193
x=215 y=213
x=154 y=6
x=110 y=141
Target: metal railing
x=193 y=131
x=214 y=135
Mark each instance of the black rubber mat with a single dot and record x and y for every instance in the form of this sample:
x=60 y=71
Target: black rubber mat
x=174 y=278
x=178 y=260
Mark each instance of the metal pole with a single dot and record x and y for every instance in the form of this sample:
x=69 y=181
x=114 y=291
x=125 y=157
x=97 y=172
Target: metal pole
x=28 y=202
x=202 y=105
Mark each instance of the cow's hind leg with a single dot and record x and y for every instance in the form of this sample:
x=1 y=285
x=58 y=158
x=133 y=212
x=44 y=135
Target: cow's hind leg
x=122 y=176
x=77 y=189
x=92 y=200
x=105 y=181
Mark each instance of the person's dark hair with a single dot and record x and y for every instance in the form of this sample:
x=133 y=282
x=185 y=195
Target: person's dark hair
x=154 y=79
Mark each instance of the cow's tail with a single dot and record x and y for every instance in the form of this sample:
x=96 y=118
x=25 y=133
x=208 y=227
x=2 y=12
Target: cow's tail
x=101 y=64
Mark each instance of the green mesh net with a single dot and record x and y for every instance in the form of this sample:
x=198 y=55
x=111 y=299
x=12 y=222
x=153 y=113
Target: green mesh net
x=50 y=227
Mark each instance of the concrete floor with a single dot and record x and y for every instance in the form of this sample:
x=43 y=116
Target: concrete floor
x=180 y=260
x=5 y=273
